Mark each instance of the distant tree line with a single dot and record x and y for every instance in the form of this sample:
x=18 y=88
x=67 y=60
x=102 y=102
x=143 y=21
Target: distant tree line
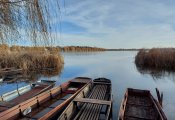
x=122 y=49
x=80 y=49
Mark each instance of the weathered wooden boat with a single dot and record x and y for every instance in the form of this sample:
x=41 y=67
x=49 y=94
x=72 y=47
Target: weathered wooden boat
x=12 y=98
x=47 y=104
x=92 y=103
x=140 y=105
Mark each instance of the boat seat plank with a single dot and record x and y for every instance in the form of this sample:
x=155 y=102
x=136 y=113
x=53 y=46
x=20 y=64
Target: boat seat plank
x=102 y=83
x=93 y=101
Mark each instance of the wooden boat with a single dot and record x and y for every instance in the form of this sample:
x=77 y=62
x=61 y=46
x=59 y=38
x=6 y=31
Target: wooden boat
x=92 y=103
x=12 y=98
x=140 y=105
x=47 y=104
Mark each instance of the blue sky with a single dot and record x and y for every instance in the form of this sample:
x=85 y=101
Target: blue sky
x=117 y=23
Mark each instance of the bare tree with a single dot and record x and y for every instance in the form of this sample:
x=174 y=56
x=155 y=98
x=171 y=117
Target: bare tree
x=27 y=19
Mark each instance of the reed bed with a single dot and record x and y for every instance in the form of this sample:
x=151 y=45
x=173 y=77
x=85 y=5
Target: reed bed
x=30 y=58
x=80 y=49
x=156 y=58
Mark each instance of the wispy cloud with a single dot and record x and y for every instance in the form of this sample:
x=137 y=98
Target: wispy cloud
x=118 y=23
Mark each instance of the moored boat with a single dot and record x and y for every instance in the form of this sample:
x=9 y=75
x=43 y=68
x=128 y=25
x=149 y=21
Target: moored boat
x=140 y=105
x=92 y=103
x=21 y=94
x=47 y=104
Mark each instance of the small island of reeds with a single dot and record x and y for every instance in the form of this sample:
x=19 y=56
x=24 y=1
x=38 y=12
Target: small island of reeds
x=156 y=58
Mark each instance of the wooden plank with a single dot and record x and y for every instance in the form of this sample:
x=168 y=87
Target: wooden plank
x=102 y=83
x=92 y=101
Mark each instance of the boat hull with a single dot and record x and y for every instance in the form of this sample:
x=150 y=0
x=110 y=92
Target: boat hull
x=140 y=104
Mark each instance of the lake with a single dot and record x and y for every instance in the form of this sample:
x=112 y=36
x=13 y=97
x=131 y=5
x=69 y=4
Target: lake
x=120 y=68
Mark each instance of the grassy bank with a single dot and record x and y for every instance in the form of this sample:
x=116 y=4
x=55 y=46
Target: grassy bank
x=30 y=58
x=80 y=49
x=156 y=58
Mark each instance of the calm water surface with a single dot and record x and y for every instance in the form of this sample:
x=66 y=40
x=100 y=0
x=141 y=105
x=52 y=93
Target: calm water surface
x=120 y=68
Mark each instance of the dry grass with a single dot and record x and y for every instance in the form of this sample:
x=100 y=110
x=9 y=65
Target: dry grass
x=30 y=58
x=157 y=58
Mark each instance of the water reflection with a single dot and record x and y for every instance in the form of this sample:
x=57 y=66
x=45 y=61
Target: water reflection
x=27 y=77
x=157 y=74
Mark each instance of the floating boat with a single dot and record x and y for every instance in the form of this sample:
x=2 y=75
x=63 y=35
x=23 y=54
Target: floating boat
x=12 y=98
x=47 y=104
x=92 y=103
x=140 y=105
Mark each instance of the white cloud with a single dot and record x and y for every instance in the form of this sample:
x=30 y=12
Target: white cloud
x=121 y=23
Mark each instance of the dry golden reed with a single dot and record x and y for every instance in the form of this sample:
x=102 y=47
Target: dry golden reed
x=29 y=58
x=157 y=58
